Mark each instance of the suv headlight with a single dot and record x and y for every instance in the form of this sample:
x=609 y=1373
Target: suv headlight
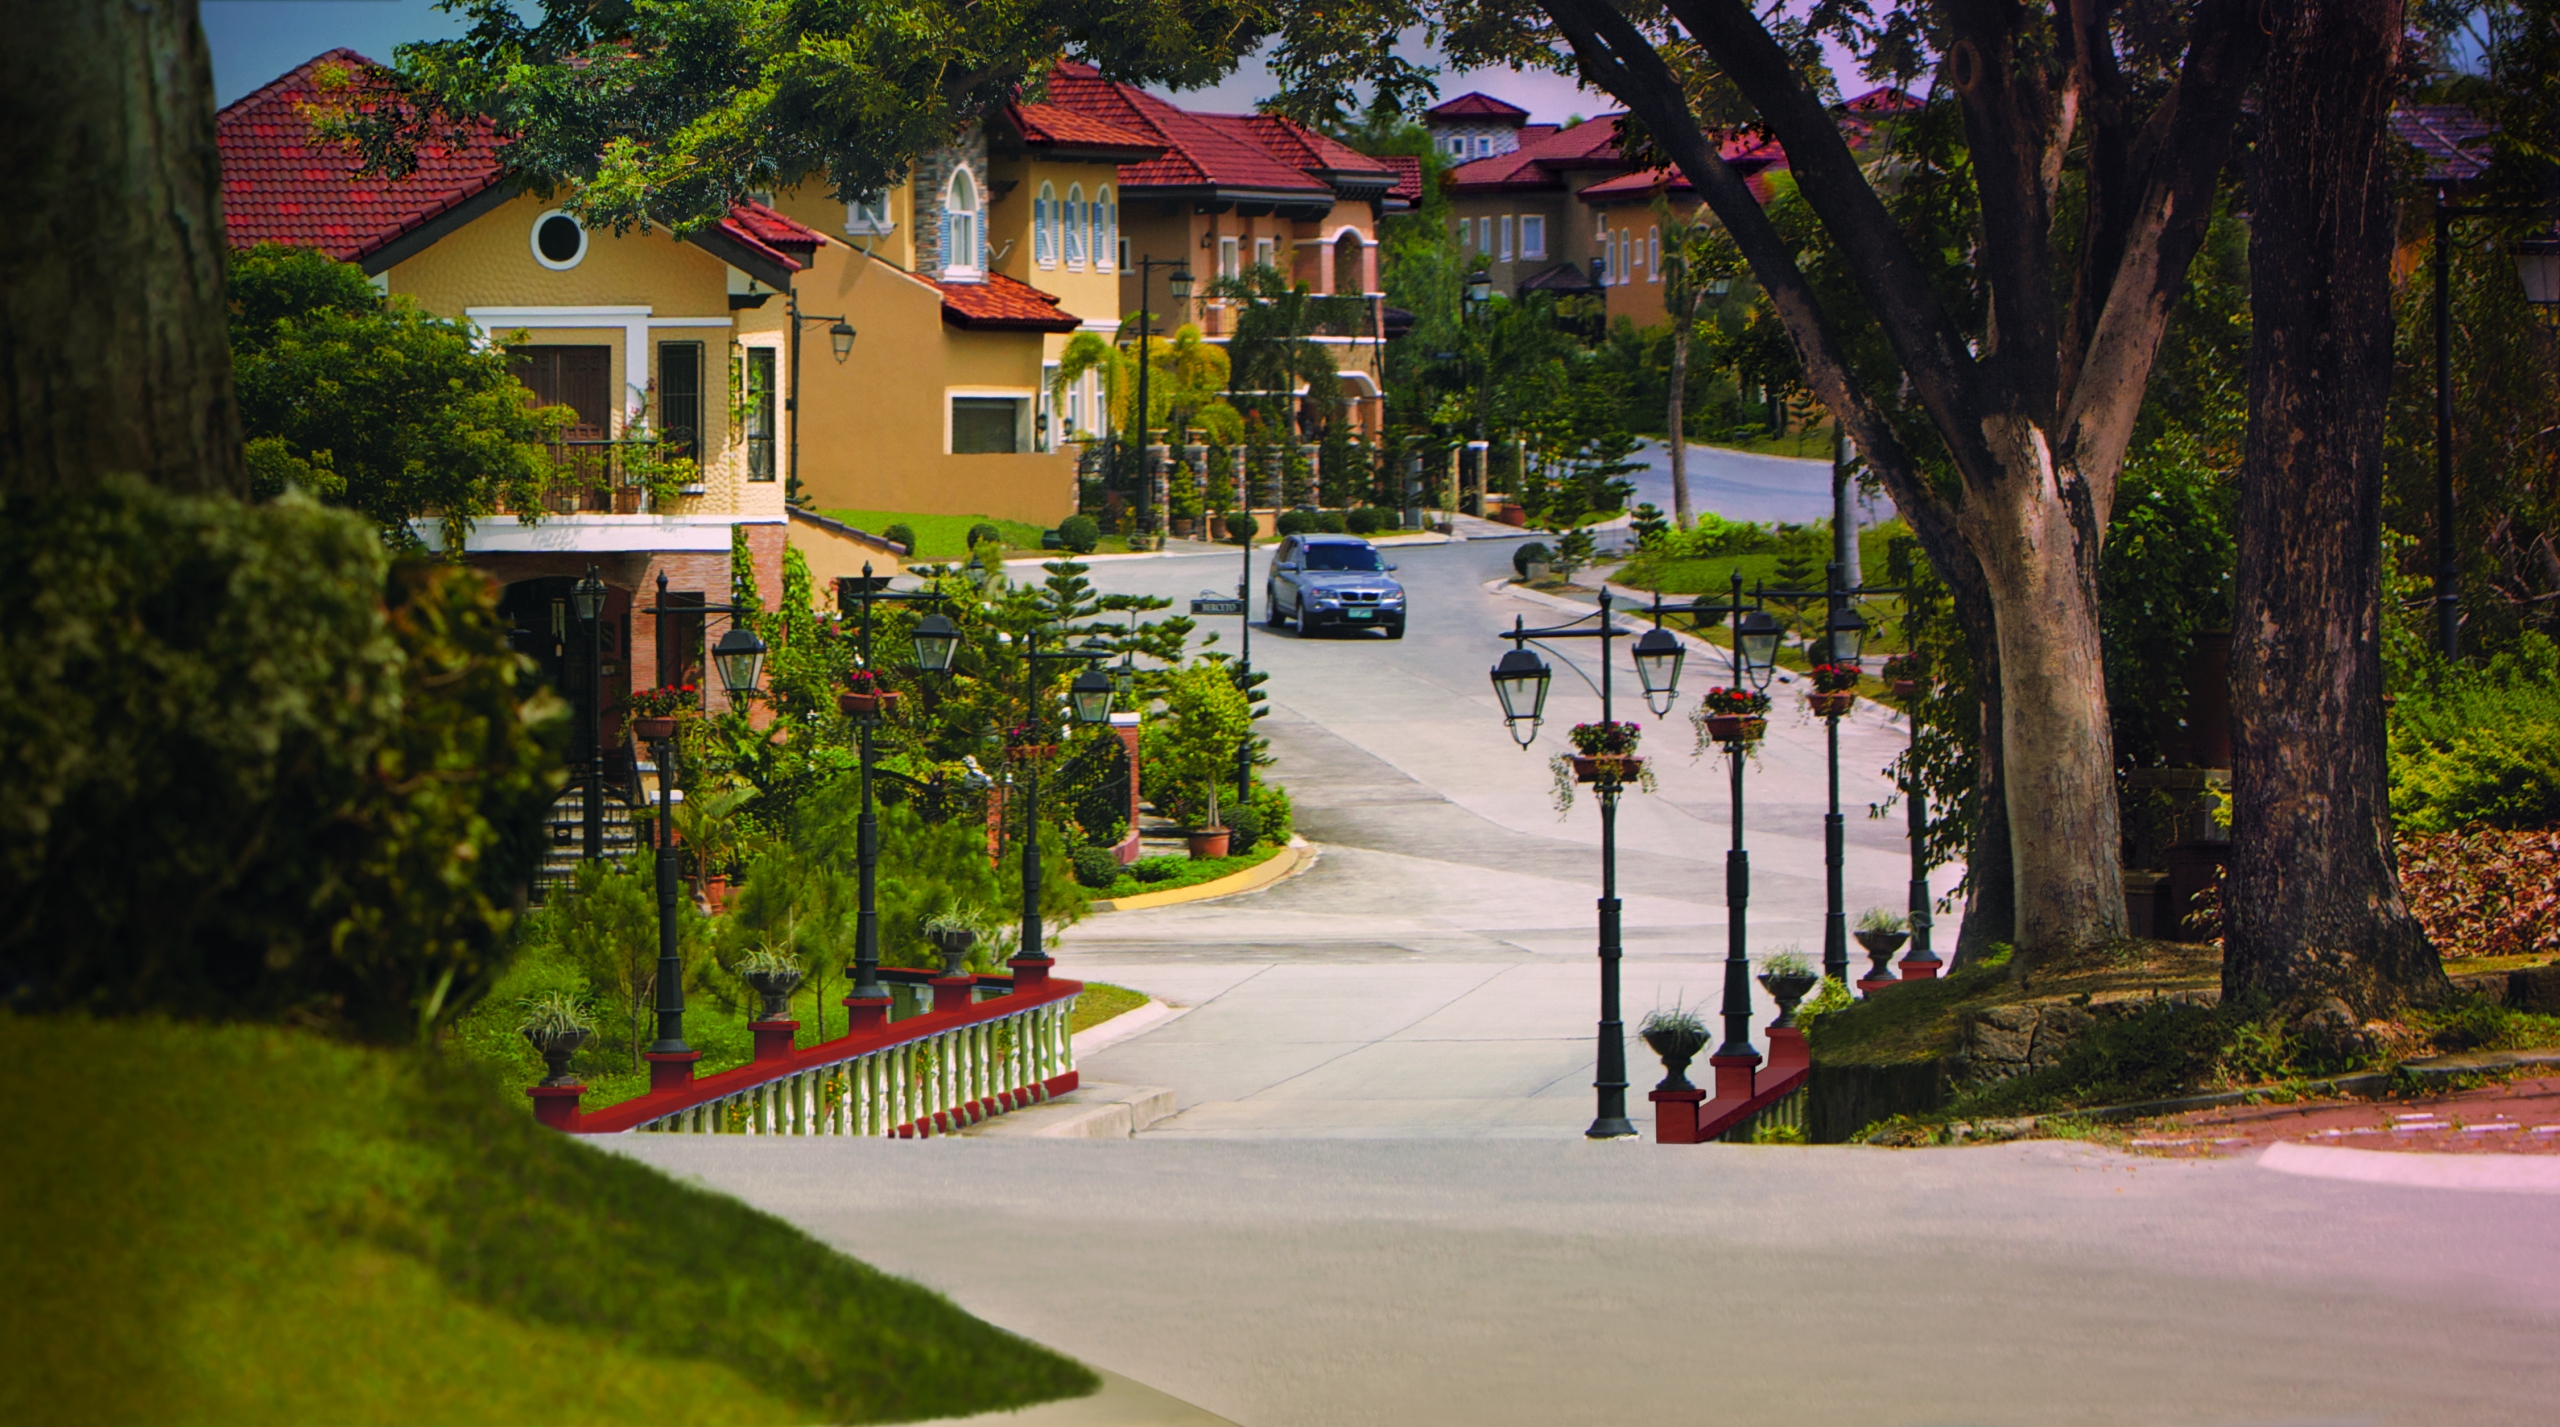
x=1392 y=597
x=1325 y=597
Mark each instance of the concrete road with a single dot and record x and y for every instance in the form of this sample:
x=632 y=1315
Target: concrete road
x=1434 y=972
x=1328 y=1283
x=1742 y=485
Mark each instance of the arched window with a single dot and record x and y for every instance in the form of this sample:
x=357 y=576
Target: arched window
x=1348 y=251
x=1106 y=229
x=1044 y=237
x=1075 y=226
x=960 y=231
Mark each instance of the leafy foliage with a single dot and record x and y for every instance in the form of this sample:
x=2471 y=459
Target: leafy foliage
x=1191 y=746
x=369 y=403
x=2480 y=744
x=2484 y=891
x=256 y=771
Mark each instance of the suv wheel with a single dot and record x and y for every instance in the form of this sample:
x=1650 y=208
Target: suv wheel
x=1270 y=607
x=1306 y=626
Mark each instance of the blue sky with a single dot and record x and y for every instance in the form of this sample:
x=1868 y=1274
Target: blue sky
x=253 y=41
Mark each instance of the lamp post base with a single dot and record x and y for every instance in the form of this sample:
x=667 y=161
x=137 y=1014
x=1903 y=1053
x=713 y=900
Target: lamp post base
x=670 y=1070
x=1611 y=1127
x=1920 y=968
x=1030 y=971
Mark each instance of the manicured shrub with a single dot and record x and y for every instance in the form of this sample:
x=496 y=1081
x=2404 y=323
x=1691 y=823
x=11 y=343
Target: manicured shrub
x=1157 y=869
x=1080 y=533
x=1296 y=522
x=1532 y=553
x=257 y=771
x=2480 y=745
x=1331 y=522
x=982 y=532
x=1242 y=527
x=1279 y=819
x=1244 y=828
x=1096 y=867
x=902 y=534
x=1363 y=521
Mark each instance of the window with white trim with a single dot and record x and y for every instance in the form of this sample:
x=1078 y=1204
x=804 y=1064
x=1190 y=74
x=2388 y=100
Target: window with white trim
x=868 y=216
x=1653 y=254
x=1484 y=145
x=1533 y=236
x=1230 y=258
x=1044 y=215
x=1484 y=236
x=960 y=228
x=1106 y=228
x=1074 y=248
x=559 y=241
x=1505 y=253
x=1265 y=253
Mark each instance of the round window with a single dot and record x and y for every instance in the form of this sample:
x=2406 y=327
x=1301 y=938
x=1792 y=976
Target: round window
x=558 y=241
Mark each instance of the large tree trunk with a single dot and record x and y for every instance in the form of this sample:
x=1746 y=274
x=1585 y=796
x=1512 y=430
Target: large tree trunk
x=112 y=325
x=2313 y=907
x=2037 y=539
x=1991 y=885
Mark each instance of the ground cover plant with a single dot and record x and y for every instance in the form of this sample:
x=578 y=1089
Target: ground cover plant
x=1166 y=874
x=940 y=537
x=290 y=1229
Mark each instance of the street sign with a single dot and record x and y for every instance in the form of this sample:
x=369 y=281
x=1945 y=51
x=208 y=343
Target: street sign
x=1225 y=604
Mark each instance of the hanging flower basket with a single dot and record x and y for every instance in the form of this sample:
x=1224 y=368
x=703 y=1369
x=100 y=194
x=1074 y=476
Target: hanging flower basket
x=1736 y=728
x=1607 y=767
x=1033 y=752
x=653 y=730
x=1829 y=704
x=1906 y=688
x=867 y=703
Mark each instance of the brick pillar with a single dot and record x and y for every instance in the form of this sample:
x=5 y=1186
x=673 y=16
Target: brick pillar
x=556 y=1105
x=773 y=1038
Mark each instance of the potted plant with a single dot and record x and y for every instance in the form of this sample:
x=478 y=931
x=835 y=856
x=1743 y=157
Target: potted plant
x=1606 y=750
x=556 y=1024
x=865 y=696
x=773 y=976
x=1905 y=673
x=1788 y=976
x=1734 y=716
x=1882 y=933
x=1677 y=1035
x=952 y=934
x=1835 y=689
x=653 y=712
x=1018 y=743
x=1210 y=839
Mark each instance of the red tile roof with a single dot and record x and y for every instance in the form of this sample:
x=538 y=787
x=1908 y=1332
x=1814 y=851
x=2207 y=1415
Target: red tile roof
x=1408 y=177
x=1312 y=152
x=1200 y=150
x=2452 y=139
x=1747 y=152
x=1884 y=99
x=1475 y=106
x=1538 y=160
x=1002 y=304
x=1055 y=125
x=279 y=185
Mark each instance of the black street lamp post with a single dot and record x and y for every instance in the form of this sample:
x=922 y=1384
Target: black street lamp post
x=1479 y=304
x=936 y=640
x=588 y=597
x=739 y=660
x=1753 y=658
x=2538 y=267
x=1520 y=682
x=1089 y=703
x=1847 y=633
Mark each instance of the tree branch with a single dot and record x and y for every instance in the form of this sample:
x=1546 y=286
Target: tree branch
x=1924 y=337
x=2010 y=131
x=2177 y=163
x=1617 y=57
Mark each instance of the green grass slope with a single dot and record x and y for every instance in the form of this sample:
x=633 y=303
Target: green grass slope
x=214 y=1225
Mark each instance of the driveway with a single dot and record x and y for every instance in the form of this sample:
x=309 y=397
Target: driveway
x=1433 y=973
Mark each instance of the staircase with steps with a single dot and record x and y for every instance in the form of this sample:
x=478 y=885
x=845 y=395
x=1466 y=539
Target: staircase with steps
x=565 y=844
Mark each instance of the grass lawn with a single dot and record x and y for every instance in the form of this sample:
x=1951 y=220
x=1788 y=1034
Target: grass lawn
x=1100 y=1002
x=1188 y=871
x=940 y=537
x=269 y=1227
x=1811 y=443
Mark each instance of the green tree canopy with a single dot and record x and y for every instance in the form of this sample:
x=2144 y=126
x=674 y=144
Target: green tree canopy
x=371 y=404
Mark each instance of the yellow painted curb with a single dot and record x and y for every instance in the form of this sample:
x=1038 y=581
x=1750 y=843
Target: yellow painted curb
x=1297 y=854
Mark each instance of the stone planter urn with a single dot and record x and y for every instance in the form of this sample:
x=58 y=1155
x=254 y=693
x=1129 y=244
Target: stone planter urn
x=1677 y=1045
x=1209 y=843
x=555 y=1050
x=1787 y=990
x=775 y=987
x=1880 y=949
x=954 y=944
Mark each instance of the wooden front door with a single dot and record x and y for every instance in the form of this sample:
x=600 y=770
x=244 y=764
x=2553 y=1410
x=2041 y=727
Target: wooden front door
x=581 y=379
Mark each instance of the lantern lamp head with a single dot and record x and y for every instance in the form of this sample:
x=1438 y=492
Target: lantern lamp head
x=739 y=656
x=2538 y=264
x=1090 y=697
x=1848 y=636
x=1520 y=682
x=1179 y=282
x=588 y=596
x=1758 y=635
x=937 y=639
x=1658 y=657
x=840 y=336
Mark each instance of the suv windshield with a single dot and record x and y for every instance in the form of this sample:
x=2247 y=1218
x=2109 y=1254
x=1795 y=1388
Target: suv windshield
x=1342 y=557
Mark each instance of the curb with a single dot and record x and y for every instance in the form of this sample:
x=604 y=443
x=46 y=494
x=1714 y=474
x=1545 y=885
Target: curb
x=2371 y=1082
x=1126 y=1025
x=1089 y=1112
x=2496 y=1173
x=1297 y=856
x=1121 y=1403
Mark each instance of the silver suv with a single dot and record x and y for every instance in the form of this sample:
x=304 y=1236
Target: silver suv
x=1332 y=582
